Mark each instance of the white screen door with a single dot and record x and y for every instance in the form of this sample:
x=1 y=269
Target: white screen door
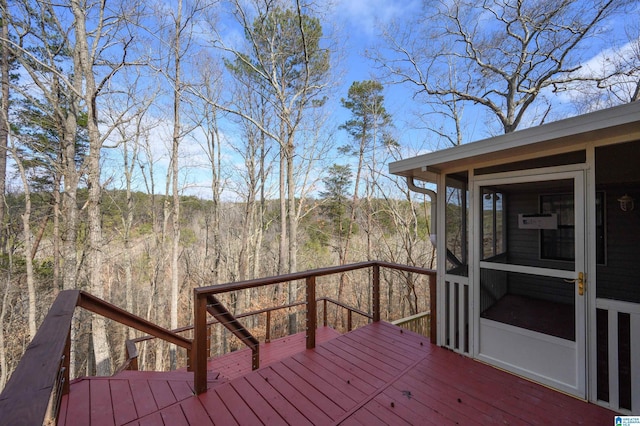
x=529 y=263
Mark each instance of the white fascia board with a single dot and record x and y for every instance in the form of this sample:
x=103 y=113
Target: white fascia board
x=595 y=121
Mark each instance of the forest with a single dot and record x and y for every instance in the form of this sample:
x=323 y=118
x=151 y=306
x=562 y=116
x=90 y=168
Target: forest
x=150 y=147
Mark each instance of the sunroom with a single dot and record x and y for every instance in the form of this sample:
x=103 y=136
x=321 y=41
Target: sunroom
x=538 y=242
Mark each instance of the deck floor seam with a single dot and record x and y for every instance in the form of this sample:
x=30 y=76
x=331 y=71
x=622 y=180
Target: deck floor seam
x=380 y=390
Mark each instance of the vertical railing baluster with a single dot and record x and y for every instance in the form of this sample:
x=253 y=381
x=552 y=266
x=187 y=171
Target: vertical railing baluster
x=324 y=312
x=209 y=354
x=376 y=293
x=311 y=312
x=267 y=337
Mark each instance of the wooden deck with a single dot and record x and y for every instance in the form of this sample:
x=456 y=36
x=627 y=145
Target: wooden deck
x=236 y=364
x=378 y=374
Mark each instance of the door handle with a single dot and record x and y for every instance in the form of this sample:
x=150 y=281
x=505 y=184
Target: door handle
x=580 y=281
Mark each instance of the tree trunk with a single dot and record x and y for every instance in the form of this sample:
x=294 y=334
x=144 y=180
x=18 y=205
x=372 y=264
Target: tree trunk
x=28 y=247
x=293 y=238
x=4 y=119
x=99 y=332
x=175 y=248
x=4 y=368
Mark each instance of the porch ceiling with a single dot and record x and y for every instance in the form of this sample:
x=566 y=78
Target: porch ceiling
x=613 y=125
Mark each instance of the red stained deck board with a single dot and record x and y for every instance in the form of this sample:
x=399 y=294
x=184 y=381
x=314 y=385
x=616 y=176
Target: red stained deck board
x=521 y=401
x=332 y=379
x=387 y=414
x=382 y=366
x=174 y=416
x=259 y=404
x=381 y=353
x=368 y=364
x=335 y=374
x=181 y=389
x=279 y=403
x=162 y=393
x=432 y=405
x=240 y=409
x=216 y=409
x=319 y=399
x=142 y=397
x=365 y=417
x=195 y=412
x=101 y=403
x=314 y=414
x=511 y=407
x=411 y=411
x=124 y=409
x=441 y=397
x=354 y=371
x=377 y=410
x=238 y=363
x=397 y=339
x=154 y=419
x=331 y=391
x=78 y=410
x=392 y=342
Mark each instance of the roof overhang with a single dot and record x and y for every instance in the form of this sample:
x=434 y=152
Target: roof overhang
x=612 y=125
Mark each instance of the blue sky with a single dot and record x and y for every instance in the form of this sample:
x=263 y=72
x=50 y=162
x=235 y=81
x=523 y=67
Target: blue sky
x=356 y=25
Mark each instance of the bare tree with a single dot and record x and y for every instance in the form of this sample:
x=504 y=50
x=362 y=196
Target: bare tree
x=618 y=69
x=205 y=117
x=506 y=54
x=128 y=138
x=71 y=63
x=28 y=242
x=284 y=59
x=175 y=47
x=4 y=364
x=4 y=110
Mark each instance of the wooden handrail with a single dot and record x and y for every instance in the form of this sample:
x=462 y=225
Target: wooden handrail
x=347 y=307
x=132 y=351
x=107 y=310
x=32 y=394
x=25 y=398
x=222 y=314
x=201 y=297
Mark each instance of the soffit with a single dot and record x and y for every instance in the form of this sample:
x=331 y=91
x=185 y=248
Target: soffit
x=613 y=125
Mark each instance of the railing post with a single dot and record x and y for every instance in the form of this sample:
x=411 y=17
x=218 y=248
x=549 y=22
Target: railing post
x=376 y=293
x=255 y=356
x=433 y=317
x=311 y=312
x=267 y=337
x=324 y=312
x=199 y=352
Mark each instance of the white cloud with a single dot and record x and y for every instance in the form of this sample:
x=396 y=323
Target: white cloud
x=363 y=16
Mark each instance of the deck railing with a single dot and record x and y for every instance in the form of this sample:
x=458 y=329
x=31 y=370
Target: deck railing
x=32 y=394
x=202 y=298
x=132 y=353
x=419 y=323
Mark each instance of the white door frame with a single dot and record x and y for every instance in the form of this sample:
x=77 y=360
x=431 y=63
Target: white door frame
x=493 y=330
